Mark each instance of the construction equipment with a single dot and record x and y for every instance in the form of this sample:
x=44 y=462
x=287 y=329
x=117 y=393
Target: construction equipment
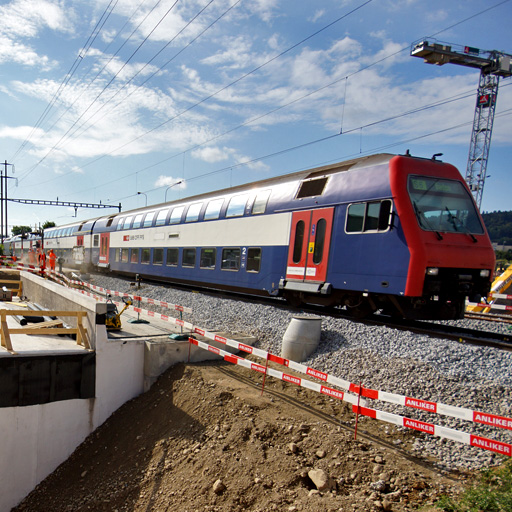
x=113 y=318
x=498 y=291
x=493 y=65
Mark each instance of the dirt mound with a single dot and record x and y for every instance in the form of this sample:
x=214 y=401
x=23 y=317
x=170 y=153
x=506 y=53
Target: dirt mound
x=205 y=439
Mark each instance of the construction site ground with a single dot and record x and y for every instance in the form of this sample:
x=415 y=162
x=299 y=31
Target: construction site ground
x=204 y=438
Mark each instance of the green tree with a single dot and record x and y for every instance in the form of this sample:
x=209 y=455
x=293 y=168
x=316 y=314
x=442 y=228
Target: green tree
x=18 y=230
x=48 y=224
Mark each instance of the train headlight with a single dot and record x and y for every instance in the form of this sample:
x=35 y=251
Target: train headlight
x=432 y=271
x=485 y=273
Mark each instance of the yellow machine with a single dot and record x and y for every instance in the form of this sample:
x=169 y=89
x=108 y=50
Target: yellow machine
x=113 y=318
x=500 y=285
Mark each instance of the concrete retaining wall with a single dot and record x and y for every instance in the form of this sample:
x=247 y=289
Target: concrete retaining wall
x=36 y=439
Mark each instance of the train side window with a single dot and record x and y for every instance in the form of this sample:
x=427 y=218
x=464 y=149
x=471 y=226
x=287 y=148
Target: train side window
x=95 y=241
x=148 y=219
x=212 y=211
x=134 y=256
x=145 y=255
x=385 y=210
x=172 y=256
x=260 y=203
x=189 y=257
x=253 y=259
x=193 y=212
x=120 y=223
x=371 y=220
x=299 y=241
x=208 y=257
x=158 y=256
x=318 y=252
x=355 y=218
x=236 y=206
x=176 y=215
x=160 y=218
x=127 y=222
x=138 y=221
x=124 y=255
x=230 y=259
x=310 y=188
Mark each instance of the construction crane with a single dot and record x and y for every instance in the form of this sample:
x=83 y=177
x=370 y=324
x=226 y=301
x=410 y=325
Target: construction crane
x=493 y=65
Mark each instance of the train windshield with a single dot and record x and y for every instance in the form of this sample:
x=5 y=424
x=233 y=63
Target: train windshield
x=443 y=205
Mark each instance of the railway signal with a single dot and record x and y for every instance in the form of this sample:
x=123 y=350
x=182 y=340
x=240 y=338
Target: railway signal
x=493 y=65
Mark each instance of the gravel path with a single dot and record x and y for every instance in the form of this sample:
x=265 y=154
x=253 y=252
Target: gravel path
x=437 y=370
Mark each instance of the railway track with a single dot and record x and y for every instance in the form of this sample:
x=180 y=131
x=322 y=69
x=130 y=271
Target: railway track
x=432 y=329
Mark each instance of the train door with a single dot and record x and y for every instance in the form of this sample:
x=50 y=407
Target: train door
x=310 y=238
x=104 y=247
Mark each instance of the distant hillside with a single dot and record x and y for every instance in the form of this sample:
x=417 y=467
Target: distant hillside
x=499 y=226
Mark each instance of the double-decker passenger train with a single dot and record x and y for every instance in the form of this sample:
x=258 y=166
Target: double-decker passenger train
x=384 y=232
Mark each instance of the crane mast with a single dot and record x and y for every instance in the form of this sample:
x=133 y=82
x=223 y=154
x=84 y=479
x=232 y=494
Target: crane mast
x=492 y=65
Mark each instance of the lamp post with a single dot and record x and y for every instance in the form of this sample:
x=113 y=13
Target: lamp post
x=145 y=195
x=170 y=186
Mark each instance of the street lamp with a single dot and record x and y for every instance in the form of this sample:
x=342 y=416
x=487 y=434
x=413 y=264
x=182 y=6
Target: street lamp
x=145 y=195
x=170 y=186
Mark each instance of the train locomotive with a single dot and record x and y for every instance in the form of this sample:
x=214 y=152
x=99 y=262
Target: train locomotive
x=394 y=233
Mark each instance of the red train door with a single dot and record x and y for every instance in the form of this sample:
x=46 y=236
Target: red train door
x=104 y=247
x=310 y=239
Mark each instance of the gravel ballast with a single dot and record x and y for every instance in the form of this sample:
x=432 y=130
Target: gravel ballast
x=395 y=361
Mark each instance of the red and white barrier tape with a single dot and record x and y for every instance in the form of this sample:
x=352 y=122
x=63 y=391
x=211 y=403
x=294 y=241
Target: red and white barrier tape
x=491 y=306
x=315 y=386
x=393 y=398
x=436 y=430
x=429 y=428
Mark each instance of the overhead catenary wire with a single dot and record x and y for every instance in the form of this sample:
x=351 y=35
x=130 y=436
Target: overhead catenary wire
x=101 y=92
x=252 y=120
x=242 y=77
x=79 y=59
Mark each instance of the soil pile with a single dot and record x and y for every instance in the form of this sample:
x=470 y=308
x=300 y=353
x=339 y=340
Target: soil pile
x=204 y=439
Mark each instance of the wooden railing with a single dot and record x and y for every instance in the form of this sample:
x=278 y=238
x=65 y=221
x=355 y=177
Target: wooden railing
x=53 y=327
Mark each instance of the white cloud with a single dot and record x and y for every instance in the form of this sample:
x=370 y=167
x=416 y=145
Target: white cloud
x=169 y=181
x=212 y=154
x=318 y=14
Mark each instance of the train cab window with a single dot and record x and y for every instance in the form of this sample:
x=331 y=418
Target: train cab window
x=172 y=256
x=368 y=217
x=208 y=257
x=299 y=241
x=236 y=206
x=134 y=256
x=176 y=215
x=260 y=203
x=120 y=223
x=189 y=257
x=158 y=256
x=230 y=259
x=148 y=219
x=137 y=221
x=124 y=255
x=193 y=212
x=253 y=259
x=127 y=222
x=145 y=255
x=318 y=252
x=160 y=218
x=212 y=211
x=312 y=187
x=443 y=205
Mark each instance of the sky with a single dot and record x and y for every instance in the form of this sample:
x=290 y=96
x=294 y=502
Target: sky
x=135 y=102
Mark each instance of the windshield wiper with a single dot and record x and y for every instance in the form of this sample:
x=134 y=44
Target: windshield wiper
x=423 y=220
x=457 y=223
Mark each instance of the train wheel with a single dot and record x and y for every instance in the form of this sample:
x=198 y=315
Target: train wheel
x=295 y=299
x=361 y=309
